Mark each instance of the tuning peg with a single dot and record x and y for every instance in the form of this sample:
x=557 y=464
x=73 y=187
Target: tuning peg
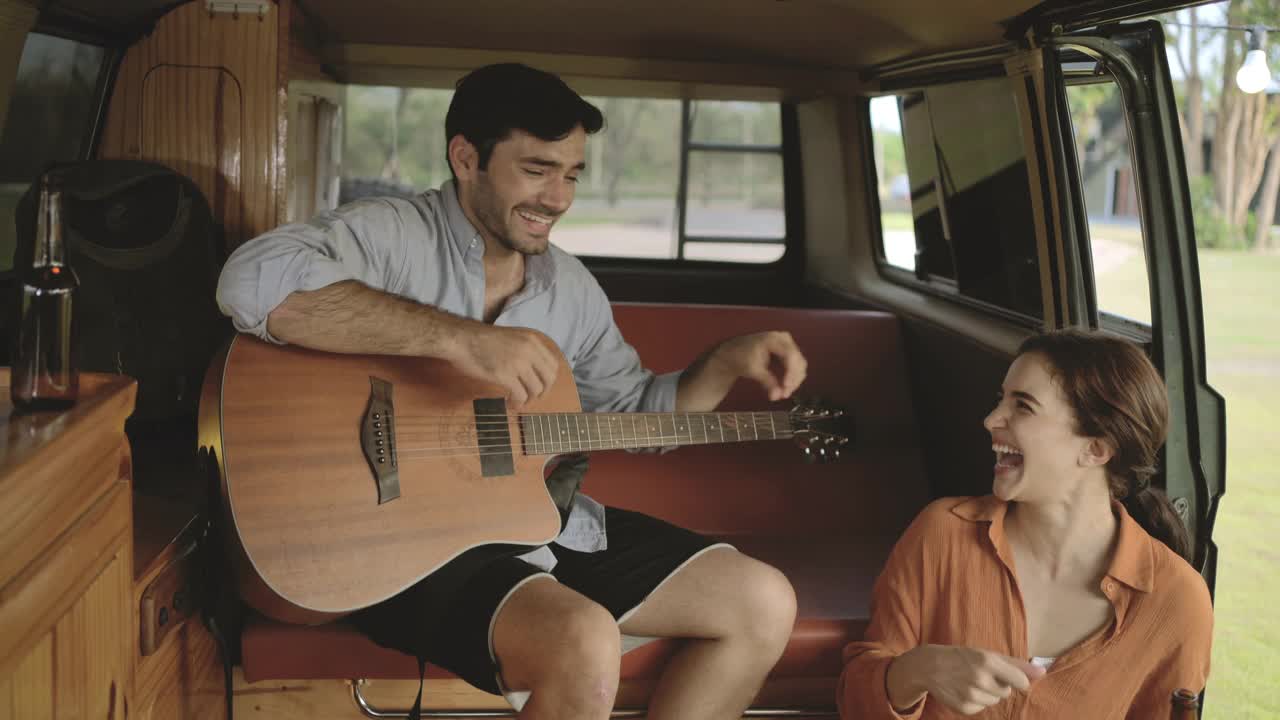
x=809 y=457
x=835 y=454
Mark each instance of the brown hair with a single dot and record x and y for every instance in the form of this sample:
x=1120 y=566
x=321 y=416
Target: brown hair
x=1116 y=394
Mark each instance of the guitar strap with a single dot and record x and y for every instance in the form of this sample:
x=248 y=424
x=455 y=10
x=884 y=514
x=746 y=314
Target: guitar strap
x=415 y=712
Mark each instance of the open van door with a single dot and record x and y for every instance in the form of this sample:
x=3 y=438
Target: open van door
x=1133 y=57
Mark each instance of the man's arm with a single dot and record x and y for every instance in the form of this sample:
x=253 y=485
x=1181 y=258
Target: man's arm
x=353 y=318
x=770 y=358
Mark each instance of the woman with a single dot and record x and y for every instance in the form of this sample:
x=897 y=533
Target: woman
x=1066 y=593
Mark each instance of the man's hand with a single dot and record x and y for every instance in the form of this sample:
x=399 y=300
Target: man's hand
x=770 y=358
x=518 y=359
x=967 y=680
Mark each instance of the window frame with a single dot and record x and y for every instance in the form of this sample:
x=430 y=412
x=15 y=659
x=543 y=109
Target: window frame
x=688 y=146
x=1128 y=328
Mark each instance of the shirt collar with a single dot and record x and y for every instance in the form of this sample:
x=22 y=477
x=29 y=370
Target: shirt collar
x=1132 y=563
x=461 y=230
x=539 y=270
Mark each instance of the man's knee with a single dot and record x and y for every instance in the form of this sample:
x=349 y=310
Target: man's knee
x=590 y=638
x=767 y=608
x=577 y=660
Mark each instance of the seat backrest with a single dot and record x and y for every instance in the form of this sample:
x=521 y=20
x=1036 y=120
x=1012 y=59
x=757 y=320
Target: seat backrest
x=855 y=362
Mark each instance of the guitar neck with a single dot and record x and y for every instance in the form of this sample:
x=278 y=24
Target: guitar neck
x=556 y=433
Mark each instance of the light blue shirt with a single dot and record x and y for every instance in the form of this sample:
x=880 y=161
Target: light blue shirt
x=426 y=250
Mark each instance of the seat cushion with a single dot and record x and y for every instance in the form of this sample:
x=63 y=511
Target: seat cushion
x=832 y=578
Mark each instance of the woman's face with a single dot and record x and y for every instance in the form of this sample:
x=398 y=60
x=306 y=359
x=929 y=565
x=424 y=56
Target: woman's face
x=1039 y=456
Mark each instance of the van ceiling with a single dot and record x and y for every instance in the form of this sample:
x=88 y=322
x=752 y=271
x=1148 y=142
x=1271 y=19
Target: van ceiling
x=841 y=34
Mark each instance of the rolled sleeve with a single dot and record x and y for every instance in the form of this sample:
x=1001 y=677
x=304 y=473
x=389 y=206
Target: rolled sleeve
x=355 y=242
x=660 y=394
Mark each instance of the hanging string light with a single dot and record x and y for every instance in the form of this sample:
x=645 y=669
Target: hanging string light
x=1253 y=76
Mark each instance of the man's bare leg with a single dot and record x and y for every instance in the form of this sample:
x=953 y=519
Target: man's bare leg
x=738 y=613
x=562 y=647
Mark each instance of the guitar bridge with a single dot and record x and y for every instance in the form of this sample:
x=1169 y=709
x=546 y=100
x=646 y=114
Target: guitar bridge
x=377 y=439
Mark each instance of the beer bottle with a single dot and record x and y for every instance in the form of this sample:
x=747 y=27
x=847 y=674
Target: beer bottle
x=1185 y=705
x=44 y=375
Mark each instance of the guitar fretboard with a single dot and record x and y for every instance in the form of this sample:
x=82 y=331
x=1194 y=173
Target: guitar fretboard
x=554 y=433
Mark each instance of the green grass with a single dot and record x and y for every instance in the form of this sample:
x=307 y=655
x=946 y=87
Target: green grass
x=1242 y=335
x=1242 y=338
x=896 y=221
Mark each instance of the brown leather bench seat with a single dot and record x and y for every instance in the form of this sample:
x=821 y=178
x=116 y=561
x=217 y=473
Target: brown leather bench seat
x=827 y=527
x=832 y=579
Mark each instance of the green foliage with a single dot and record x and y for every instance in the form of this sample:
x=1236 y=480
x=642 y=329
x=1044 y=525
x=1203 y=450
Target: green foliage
x=1212 y=229
x=371 y=115
x=891 y=159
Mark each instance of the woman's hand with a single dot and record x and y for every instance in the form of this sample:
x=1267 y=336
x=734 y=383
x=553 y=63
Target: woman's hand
x=965 y=679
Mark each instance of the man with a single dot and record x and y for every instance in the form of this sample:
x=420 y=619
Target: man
x=460 y=274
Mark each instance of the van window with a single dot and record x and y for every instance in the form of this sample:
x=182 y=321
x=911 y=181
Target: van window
x=629 y=200
x=52 y=113
x=966 y=191
x=1111 y=201
x=892 y=185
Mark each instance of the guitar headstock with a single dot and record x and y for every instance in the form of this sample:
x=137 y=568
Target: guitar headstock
x=822 y=432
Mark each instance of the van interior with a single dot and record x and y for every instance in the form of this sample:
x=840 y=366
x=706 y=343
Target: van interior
x=898 y=184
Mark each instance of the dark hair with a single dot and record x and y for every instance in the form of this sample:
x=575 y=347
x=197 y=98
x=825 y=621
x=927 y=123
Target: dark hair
x=492 y=101
x=1116 y=394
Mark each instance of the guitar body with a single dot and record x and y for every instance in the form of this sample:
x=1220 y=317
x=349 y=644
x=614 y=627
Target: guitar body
x=300 y=498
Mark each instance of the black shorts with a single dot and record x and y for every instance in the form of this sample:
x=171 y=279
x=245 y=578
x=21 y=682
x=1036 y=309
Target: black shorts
x=446 y=619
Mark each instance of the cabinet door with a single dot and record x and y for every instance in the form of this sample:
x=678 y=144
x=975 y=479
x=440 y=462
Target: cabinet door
x=81 y=666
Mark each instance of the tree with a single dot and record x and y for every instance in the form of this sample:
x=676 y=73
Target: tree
x=625 y=117
x=1246 y=128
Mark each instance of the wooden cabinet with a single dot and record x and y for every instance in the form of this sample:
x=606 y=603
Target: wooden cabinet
x=67 y=623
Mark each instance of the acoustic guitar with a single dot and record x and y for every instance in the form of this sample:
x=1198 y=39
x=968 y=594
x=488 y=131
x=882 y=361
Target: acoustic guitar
x=347 y=478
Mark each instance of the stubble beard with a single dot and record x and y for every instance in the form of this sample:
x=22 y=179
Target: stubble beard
x=489 y=212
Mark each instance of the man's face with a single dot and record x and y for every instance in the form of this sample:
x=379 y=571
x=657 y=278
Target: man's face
x=528 y=184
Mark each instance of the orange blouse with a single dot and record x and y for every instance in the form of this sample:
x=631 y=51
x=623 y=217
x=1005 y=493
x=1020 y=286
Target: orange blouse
x=950 y=580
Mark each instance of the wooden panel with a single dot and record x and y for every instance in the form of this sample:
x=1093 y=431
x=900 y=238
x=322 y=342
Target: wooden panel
x=33 y=602
x=93 y=646
x=27 y=694
x=53 y=466
x=183 y=679
x=82 y=667
x=205 y=141
x=43 y=505
x=186 y=125
x=66 y=628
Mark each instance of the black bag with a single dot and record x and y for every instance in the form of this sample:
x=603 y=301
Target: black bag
x=144 y=244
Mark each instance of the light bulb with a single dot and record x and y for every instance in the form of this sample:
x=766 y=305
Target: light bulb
x=1254 y=76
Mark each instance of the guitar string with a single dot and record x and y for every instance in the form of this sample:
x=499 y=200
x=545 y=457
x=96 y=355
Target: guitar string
x=534 y=449
x=544 y=434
